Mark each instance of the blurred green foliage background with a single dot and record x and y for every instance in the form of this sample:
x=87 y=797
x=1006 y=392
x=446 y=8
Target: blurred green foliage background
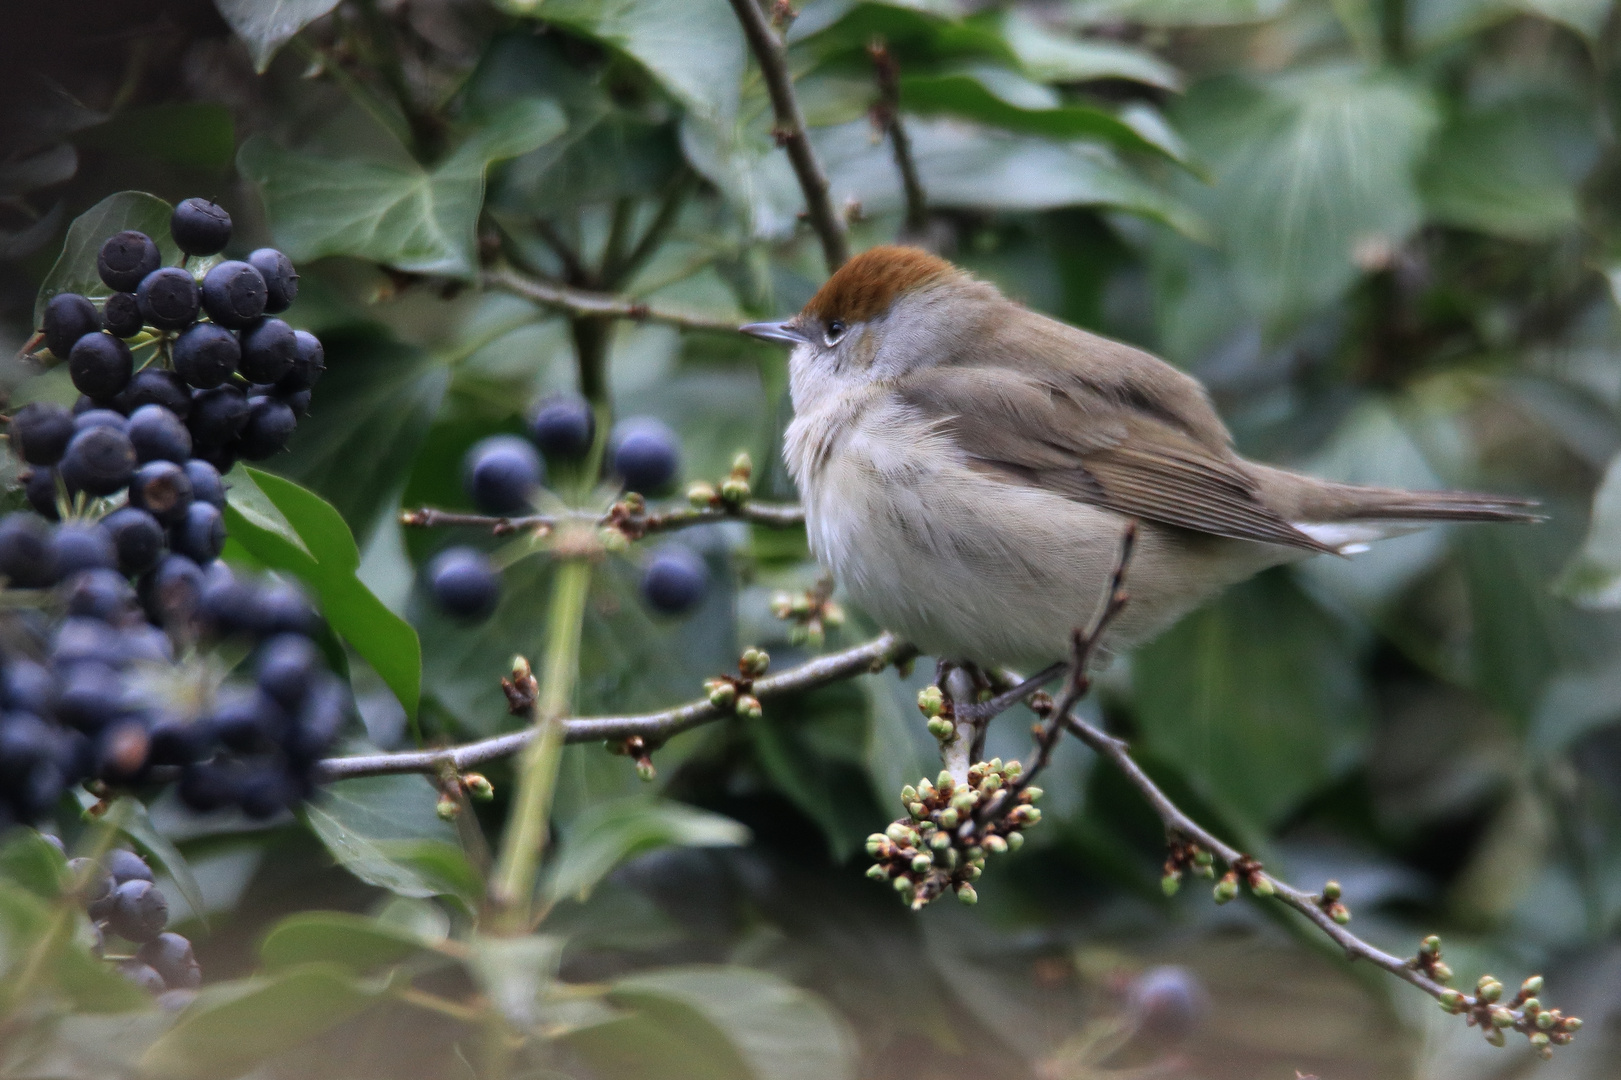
x=1383 y=232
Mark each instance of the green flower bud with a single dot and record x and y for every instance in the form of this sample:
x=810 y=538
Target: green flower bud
x=1262 y=886
x=743 y=465
x=1226 y=889
x=972 y=871
x=900 y=834
x=946 y=783
x=964 y=802
x=1201 y=857
x=1015 y=841
x=940 y=842
x=941 y=729
x=1430 y=946
x=876 y=843
x=1339 y=913
x=1495 y=1036
x=1033 y=794
x=1532 y=986
x=613 y=541
x=1501 y=1017
x=1443 y=971
x=904 y=886
x=967 y=895
x=931 y=701
x=447 y=808
x=1013 y=770
x=908 y=795
x=478 y=786
x=749 y=707
x=877 y=873
x=921 y=864
x=991 y=783
x=1531 y=1005
x=1539 y=1040
x=1488 y=989
x=701 y=494
x=1331 y=891
x=948 y=818
x=1451 y=1001
x=734 y=489
x=645 y=770
x=1546 y=1020
x=1571 y=1023
x=755 y=662
x=1170 y=884
x=995 y=845
x=975 y=854
x=722 y=694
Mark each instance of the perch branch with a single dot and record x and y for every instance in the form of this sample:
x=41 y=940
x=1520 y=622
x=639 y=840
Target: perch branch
x=872 y=656
x=772 y=56
x=584 y=302
x=635 y=525
x=886 y=116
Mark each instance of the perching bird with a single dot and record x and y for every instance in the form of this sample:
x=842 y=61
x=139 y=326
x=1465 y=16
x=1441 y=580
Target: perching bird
x=968 y=468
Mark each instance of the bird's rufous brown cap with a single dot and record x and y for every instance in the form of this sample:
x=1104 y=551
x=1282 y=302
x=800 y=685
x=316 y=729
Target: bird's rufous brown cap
x=865 y=286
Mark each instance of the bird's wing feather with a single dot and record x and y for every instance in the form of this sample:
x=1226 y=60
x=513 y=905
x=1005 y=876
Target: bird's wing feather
x=1060 y=431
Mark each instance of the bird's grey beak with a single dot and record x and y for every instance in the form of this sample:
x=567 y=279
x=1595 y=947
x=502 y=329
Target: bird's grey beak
x=783 y=332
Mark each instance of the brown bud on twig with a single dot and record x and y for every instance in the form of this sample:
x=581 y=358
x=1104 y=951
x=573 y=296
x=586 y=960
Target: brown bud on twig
x=520 y=688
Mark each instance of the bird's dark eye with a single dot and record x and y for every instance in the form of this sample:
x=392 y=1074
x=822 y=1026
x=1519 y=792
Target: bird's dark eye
x=835 y=330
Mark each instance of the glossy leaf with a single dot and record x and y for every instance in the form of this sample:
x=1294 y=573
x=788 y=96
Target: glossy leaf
x=266 y=25
x=610 y=833
x=378 y=828
x=327 y=560
x=1051 y=56
x=75 y=268
x=1256 y=698
x=354 y=942
x=395 y=211
x=516 y=973
x=233 y=1028
x=27 y=859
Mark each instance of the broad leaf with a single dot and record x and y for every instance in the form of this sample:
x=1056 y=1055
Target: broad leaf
x=75 y=269
x=1052 y=56
x=29 y=860
x=1593 y=578
x=608 y=834
x=1177 y=12
x=380 y=828
x=355 y=942
x=327 y=560
x=693 y=47
x=266 y=25
x=1256 y=698
x=516 y=973
x=395 y=211
x=233 y=1028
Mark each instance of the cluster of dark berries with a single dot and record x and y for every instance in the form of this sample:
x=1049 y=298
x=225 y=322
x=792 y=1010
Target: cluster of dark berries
x=230 y=379
x=502 y=475
x=941 y=845
x=129 y=576
x=123 y=903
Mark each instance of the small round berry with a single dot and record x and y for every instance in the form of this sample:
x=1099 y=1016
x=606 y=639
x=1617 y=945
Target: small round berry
x=287 y=664
x=100 y=365
x=270 y=424
x=168 y=298
x=158 y=434
x=28 y=687
x=206 y=787
x=142 y=975
x=269 y=351
x=201 y=536
x=42 y=487
x=99 y=460
x=100 y=593
x=77 y=546
x=248 y=721
x=1169 y=1004
x=171 y=592
x=200 y=227
x=562 y=426
x=464 y=583
x=68 y=317
x=121 y=315
x=137 y=537
x=230 y=604
x=284 y=609
x=674 y=580
x=40 y=432
x=171 y=956
x=326 y=707
x=234 y=293
x=501 y=474
x=139 y=911
x=206 y=355
x=89 y=418
x=26 y=559
x=162 y=489
x=265 y=793
x=126 y=258
x=178 y=741
x=298 y=401
x=307 y=366
x=124 y=865
x=217 y=416
x=645 y=454
x=281 y=280
x=206 y=485
x=155 y=386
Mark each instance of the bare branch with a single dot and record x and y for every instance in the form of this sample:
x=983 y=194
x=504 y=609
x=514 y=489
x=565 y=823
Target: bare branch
x=635 y=525
x=872 y=656
x=886 y=115
x=584 y=302
x=772 y=56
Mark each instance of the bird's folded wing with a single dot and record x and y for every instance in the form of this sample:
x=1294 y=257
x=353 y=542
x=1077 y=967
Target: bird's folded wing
x=1059 y=433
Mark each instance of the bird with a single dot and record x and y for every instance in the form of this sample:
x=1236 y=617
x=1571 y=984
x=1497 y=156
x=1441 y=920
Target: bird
x=969 y=468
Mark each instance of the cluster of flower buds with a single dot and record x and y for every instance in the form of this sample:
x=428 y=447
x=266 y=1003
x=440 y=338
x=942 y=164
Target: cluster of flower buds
x=1544 y=1028
x=1331 y=904
x=734 y=693
x=812 y=612
x=1185 y=856
x=940 y=845
x=453 y=787
x=936 y=709
x=640 y=751
x=732 y=491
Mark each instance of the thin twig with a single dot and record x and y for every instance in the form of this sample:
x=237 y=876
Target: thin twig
x=574 y=268
x=835 y=667
x=886 y=114
x=585 y=302
x=779 y=515
x=675 y=196
x=772 y=56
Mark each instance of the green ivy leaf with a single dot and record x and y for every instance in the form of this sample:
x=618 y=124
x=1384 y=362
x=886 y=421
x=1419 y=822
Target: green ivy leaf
x=29 y=860
x=609 y=833
x=383 y=829
x=326 y=559
x=232 y=1028
x=355 y=942
x=75 y=269
x=1051 y=56
x=266 y=25
x=395 y=212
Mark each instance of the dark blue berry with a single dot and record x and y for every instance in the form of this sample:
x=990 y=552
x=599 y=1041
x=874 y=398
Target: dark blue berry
x=307 y=366
x=28 y=687
x=217 y=416
x=230 y=604
x=501 y=474
x=201 y=536
x=320 y=718
x=121 y=315
x=26 y=558
x=234 y=294
x=179 y=742
x=139 y=911
x=100 y=593
x=206 y=485
x=137 y=537
x=298 y=401
x=163 y=489
x=142 y=975
x=41 y=488
x=100 y=365
x=168 y=298
x=265 y=793
x=283 y=609
x=464 y=583
x=99 y=460
x=674 y=580
x=1169 y=1004
x=287 y=663
x=172 y=591
x=77 y=546
x=92 y=695
x=171 y=956
x=155 y=386
x=124 y=865
x=562 y=426
x=200 y=227
x=40 y=432
x=248 y=721
x=158 y=434
x=68 y=317
x=645 y=454
x=206 y=355
x=269 y=350
x=89 y=418
x=208 y=786
x=270 y=424
x=126 y=258
x=281 y=281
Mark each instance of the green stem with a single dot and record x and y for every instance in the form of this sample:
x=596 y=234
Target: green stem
x=512 y=890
